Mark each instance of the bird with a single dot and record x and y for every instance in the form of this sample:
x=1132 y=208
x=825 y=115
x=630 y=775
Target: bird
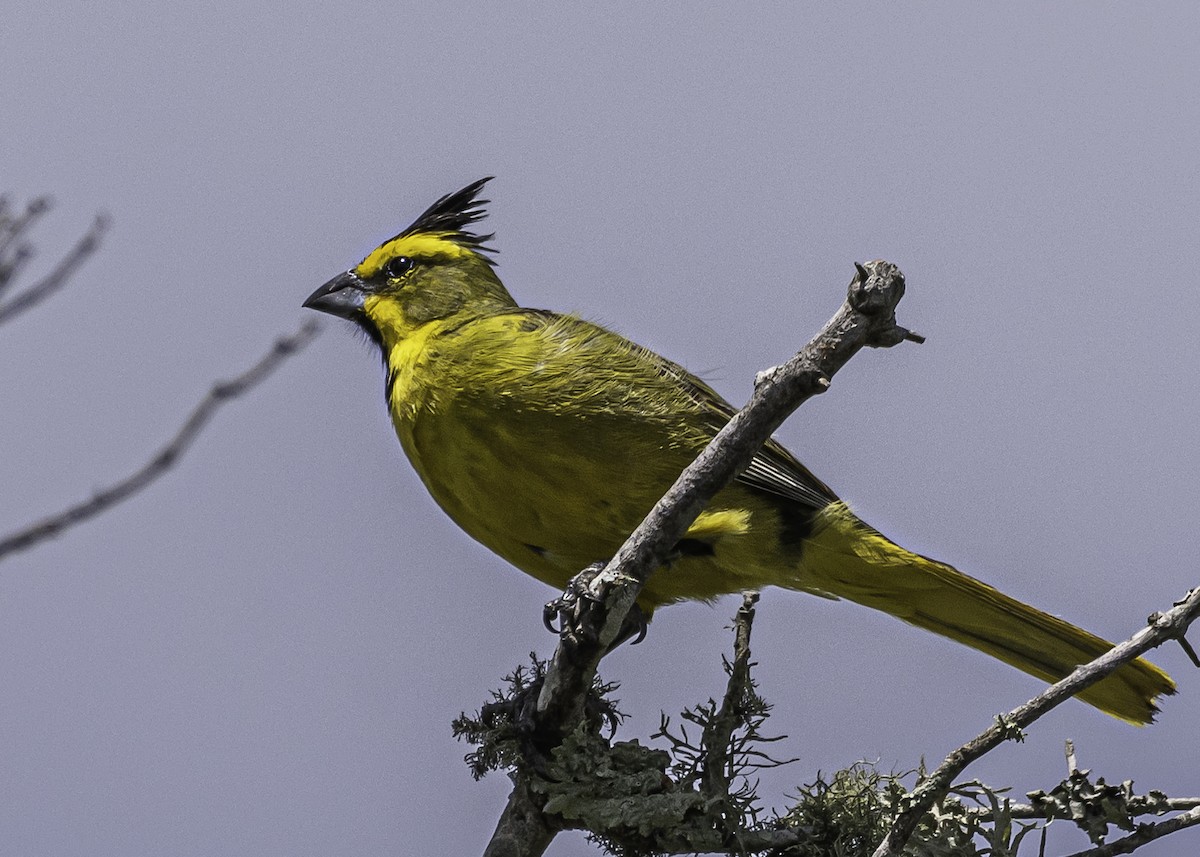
x=548 y=438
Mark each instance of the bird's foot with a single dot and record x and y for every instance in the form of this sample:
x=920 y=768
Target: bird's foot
x=564 y=615
x=569 y=605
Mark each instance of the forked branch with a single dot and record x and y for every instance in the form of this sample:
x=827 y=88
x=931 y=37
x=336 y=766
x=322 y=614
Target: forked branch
x=15 y=252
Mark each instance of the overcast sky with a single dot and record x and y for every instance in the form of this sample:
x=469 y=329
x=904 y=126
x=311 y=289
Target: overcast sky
x=262 y=653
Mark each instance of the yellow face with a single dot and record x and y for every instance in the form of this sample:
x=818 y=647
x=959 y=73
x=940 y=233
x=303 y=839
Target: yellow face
x=411 y=280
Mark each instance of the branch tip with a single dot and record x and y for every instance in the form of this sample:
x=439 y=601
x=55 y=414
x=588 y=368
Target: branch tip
x=165 y=458
x=1188 y=650
x=61 y=272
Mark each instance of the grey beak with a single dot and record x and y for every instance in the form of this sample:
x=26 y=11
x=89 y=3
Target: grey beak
x=342 y=296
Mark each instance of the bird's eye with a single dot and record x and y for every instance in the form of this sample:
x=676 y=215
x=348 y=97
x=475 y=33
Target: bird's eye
x=398 y=266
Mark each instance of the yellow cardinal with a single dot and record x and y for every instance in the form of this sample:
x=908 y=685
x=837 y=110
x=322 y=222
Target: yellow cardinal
x=548 y=438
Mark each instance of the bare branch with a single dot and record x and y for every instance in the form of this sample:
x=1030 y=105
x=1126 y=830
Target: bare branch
x=1171 y=625
x=57 y=278
x=14 y=252
x=867 y=318
x=1144 y=833
x=169 y=455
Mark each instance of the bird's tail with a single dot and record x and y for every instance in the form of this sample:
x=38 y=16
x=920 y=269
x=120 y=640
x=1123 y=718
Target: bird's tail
x=846 y=558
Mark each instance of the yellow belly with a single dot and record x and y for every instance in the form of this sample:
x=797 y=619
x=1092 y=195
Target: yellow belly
x=553 y=493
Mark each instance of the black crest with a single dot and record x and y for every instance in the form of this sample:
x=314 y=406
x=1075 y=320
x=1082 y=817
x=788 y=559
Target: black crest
x=452 y=214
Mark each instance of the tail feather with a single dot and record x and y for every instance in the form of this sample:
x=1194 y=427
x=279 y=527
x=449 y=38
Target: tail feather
x=848 y=559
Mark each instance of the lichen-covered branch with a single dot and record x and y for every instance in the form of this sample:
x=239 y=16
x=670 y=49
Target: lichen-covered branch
x=1029 y=811
x=695 y=797
x=526 y=829
x=698 y=796
x=1144 y=833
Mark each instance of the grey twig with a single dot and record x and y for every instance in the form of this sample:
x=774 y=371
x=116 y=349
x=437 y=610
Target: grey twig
x=14 y=252
x=221 y=392
x=715 y=782
x=58 y=276
x=1144 y=833
x=867 y=318
x=1163 y=627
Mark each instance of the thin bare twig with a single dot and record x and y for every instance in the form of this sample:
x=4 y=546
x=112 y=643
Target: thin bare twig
x=169 y=455
x=1163 y=627
x=1144 y=833
x=14 y=252
x=57 y=278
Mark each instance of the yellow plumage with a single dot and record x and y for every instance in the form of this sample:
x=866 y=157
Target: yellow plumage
x=548 y=438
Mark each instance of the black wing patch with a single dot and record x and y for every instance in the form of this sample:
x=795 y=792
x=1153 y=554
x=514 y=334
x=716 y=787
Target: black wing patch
x=776 y=471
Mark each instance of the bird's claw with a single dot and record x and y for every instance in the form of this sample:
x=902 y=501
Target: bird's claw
x=635 y=626
x=550 y=612
x=562 y=615
x=566 y=606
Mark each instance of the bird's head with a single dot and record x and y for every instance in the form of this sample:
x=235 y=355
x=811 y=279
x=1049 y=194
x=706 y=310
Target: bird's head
x=434 y=269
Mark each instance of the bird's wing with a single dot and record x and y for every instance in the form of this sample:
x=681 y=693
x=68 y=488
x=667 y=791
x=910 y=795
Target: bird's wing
x=773 y=470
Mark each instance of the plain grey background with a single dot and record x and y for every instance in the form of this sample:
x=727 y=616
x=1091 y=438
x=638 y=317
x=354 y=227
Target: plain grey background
x=262 y=653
